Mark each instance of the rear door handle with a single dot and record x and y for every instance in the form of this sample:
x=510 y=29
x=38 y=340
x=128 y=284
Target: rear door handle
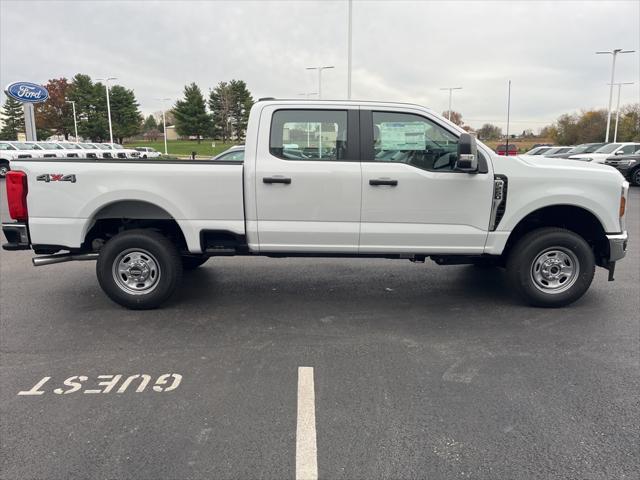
x=383 y=181
x=276 y=179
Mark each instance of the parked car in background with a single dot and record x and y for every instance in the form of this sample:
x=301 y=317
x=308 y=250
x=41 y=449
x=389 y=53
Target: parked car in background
x=118 y=151
x=606 y=151
x=538 y=150
x=627 y=165
x=578 y=149
x=502 y=149
x=148 y=152
x=8 y=153
x=233 y=154
x=556 y=150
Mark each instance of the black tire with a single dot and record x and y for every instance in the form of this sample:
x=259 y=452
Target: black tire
x=149 y=252
x=635 y=177
x=191 y=263
x=542 y=256
x=4 y=168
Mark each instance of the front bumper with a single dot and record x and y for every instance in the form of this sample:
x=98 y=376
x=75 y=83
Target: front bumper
x=17 y=235
x=617 y=246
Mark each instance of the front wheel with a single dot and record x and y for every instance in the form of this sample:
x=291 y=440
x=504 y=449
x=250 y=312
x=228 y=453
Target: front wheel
x=635 y=177
x=139 y=269
x=551 y=267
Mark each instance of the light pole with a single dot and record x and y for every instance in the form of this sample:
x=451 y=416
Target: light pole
x=164 y=123
x=320 y=77
x=614 y=54
x=75 y=122
x=615 y=131
x=349 y=43
x=451 y=89
x=106 y=86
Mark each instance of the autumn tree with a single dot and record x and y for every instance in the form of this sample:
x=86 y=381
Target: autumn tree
x=489 y=132
x=55 y=115
x=456 y=117
x=12 y=120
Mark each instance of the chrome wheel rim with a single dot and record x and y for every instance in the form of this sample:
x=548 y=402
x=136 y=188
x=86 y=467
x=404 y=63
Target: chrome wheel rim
x=555 y=270
x=136 y=271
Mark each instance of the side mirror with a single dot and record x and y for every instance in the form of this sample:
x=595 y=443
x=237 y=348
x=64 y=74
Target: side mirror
x=467 y=154
x=619 y=152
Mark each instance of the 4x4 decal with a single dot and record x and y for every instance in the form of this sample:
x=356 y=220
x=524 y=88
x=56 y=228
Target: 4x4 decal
x=56 y=177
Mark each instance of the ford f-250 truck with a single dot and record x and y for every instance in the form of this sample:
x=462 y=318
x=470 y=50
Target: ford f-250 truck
x=325 y=178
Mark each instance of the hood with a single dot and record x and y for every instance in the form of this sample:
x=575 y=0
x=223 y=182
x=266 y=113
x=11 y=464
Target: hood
x=563 y=163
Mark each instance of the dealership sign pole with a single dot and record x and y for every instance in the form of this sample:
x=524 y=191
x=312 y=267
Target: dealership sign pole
x=27 y=93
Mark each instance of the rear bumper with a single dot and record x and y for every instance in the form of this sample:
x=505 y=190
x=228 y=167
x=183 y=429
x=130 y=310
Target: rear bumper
x=617 y=246
x=17 y=235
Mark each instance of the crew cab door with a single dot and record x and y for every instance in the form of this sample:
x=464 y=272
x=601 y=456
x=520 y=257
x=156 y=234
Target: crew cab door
x=413 y=200
x=308 y=179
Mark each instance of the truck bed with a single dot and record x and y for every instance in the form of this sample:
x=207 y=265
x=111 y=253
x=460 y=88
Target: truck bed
x=66 y=196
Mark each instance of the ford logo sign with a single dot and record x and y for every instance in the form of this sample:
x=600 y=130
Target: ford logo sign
x=27 y=92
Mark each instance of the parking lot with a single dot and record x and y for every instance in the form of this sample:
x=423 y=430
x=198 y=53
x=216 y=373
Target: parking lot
x=419 y=371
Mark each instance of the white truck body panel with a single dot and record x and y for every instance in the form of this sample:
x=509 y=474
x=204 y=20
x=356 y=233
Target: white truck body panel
x=330 y=207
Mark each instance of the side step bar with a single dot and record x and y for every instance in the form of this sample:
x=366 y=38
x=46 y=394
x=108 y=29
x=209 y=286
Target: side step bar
x=61 y=258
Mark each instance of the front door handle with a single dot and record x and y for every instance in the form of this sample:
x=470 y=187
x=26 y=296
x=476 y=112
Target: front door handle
x=276 y=179
x=383 y=181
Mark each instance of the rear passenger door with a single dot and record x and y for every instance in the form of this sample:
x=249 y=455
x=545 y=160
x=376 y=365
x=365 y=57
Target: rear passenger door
x=308 y=179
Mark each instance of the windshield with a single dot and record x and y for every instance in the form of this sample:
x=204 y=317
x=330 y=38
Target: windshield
x=87 y=146
x=541 y=150
x=116 y=146
x=70 y=146
x=6 y=146
x=26 y=146
x=103 y=146
x=49 y=146
x=608 y=148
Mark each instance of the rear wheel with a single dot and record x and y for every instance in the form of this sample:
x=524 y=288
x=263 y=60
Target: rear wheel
x=4 y=168
x=635 y=177
x=551 y=267
x=139 y=269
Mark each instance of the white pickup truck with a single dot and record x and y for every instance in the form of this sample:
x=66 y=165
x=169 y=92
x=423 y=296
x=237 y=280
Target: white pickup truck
x=325 y=178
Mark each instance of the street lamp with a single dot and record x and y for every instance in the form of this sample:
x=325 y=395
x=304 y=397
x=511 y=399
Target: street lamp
x=319 y=77
x=75 y=122
x=349 y=48
x=614 y=54
x=164 y=123
x=450 y=90
x=106 y=86
x=615 y=132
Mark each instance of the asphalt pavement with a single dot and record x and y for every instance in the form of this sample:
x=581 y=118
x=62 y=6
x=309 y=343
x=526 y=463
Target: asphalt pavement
x=420 y=371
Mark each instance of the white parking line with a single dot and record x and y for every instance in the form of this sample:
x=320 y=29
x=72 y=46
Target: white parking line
x=306 y=449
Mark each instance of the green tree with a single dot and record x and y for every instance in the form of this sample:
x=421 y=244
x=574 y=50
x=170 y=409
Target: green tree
x=566 y=130
x=191 y=114
x=55 y=116
x=12 y=120
x=91 y=107
x=150 y=124
x=230 y=104
x=489 y=132
x=629 y=123
x=126 y=119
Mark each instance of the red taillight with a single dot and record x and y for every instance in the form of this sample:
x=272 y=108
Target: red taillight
x=16 y=183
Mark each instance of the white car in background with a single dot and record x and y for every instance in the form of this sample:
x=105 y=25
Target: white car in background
x=148 y=152
x=118 y=151
x=608 y=150
x=9 y=153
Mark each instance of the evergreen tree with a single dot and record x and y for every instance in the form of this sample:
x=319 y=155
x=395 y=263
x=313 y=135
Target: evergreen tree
x=230 y=104
x=150 y=124
x=12 y=120
x=126 y=119
x=191 y=114
x=91 y=107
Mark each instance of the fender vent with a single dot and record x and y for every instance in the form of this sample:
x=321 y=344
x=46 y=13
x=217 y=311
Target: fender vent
x=499 y=204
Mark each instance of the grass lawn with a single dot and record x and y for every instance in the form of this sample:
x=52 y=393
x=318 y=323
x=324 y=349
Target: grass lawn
x=185 y=147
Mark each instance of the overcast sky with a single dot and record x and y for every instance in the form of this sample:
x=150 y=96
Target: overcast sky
x=402 y=50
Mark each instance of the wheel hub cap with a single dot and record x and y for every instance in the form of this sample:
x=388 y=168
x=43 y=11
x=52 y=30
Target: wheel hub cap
x=555 y=270
x=136 y=271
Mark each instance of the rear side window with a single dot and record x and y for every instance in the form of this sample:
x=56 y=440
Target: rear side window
x=309 y=135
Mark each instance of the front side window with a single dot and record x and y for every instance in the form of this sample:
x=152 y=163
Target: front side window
x=627 y=149
x=309 y=135
x=608 y=148
x=414 y=140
